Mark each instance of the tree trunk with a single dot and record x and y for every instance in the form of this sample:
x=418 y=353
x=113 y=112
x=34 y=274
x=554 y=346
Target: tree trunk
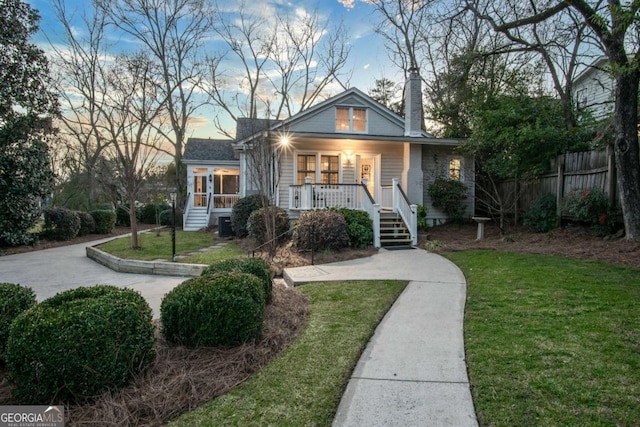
x=627 y=149
x=135 y=244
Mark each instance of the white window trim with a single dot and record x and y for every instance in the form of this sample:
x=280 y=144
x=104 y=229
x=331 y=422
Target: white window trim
x=351 y=108
x=318 y=155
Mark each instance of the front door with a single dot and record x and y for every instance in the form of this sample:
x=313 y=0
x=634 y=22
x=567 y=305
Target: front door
x=367 y=170
x=200 y=188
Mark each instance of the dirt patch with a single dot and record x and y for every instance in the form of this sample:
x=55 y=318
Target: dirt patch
x=182 y=379
x=570 y=242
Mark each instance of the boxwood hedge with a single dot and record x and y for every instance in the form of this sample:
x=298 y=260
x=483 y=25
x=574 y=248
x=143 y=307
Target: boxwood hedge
x=79 y=344
x=256 y=266
x=14 y=299
x=213 y=310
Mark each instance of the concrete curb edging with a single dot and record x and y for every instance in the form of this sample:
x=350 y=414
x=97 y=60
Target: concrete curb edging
x=163 y=268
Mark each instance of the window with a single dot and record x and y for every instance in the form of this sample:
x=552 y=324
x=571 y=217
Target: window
x=306 y=168
x=351 y=119
x=581 y=98
x=329 y=169
x=327 y=172
x=226 y=182
x=455 y=170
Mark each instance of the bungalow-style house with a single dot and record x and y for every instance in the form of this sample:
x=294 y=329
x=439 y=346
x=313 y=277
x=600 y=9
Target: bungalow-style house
x=347 y=151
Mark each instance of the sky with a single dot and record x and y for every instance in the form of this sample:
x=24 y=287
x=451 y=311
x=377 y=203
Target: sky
x=367 y=61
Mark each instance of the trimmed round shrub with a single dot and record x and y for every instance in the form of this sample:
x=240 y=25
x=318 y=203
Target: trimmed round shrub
x=105 y=220
x=256 y=266
x=79 y=344
x=60 y=223
x=165 y=217
x=359 y=227
x=87 y=223
x=319 y=230
x=542 y=217
x=241 y=211
x=14 y=299
x=273 y=215
x=213 y=310
x=150 y=212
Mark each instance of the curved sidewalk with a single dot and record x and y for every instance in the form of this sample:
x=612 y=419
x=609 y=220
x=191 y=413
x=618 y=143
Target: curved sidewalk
x=413 y=371
x=49 y=271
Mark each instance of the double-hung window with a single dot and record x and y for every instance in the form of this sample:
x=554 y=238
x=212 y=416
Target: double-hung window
x=351 y=119
x=455 y=169
x=321 y=168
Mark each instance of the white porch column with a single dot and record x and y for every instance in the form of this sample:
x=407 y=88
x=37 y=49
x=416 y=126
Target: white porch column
x=412 y=176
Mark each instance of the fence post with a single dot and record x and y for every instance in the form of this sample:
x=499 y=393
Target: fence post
x=611 y=176
x=559 y=189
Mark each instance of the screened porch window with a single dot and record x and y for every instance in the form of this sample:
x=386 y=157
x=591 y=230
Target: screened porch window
x=226 y=183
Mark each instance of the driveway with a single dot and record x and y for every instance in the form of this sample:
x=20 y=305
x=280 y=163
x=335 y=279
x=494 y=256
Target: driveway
x=50 y=271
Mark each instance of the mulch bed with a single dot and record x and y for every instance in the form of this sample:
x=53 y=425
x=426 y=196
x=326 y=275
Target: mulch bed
x=181 y=378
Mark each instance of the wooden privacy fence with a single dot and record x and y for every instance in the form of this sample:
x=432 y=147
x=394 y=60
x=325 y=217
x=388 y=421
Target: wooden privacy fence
x=571 y=171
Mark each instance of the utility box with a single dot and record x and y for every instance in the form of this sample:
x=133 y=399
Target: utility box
x=224 y=226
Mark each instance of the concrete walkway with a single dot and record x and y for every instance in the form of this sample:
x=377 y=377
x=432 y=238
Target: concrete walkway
x=50 y=271
x=413 y=371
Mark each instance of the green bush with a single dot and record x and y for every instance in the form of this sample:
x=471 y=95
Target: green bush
x=213 y=310
x=79 y=344
x=448 y=195
x=105 y=220
x=586 y=206
x=60 y=223
x=242 y=210
x=256 y=266
x=14 y=299
x=258 y=220
x=319 y=230
x=359 y=227
x=150 y=212
x=422 y=214
x=87 y=223
x=165 y=217
x=542 y=216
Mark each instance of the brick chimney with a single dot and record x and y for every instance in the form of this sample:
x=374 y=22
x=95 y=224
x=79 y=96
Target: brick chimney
x=413 y=104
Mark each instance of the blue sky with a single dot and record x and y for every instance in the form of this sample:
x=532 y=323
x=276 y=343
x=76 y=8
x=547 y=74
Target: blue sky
x=367 y=61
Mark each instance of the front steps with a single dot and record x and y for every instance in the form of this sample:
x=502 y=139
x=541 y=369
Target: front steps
x=196 y=219
x=393 y=231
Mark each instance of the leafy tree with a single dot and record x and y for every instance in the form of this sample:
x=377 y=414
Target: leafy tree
x=385 y=92
x=26 y=109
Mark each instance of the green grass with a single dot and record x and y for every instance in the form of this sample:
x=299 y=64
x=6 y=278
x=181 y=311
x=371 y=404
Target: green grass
x=551 y=341
x=304 y=385
x=230 y=250
x=158 y=246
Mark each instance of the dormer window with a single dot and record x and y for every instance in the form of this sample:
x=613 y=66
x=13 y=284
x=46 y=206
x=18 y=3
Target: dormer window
x=351 y=119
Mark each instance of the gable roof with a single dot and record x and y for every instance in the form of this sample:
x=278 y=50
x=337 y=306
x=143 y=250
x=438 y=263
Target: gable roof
x=209 y=150
x=328 y=103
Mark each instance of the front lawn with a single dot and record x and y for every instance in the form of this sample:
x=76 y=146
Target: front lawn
x=304 y=385
x=551 y=341
x=157 y=245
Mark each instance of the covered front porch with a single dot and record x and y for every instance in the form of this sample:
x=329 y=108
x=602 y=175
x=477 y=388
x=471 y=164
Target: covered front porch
x=394 y=217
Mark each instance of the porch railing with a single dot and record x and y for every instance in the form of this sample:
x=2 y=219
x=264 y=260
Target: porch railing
x=406 y=210
x=373 y=209
x=323 y=196
x=187 y=207
x=225 y=201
